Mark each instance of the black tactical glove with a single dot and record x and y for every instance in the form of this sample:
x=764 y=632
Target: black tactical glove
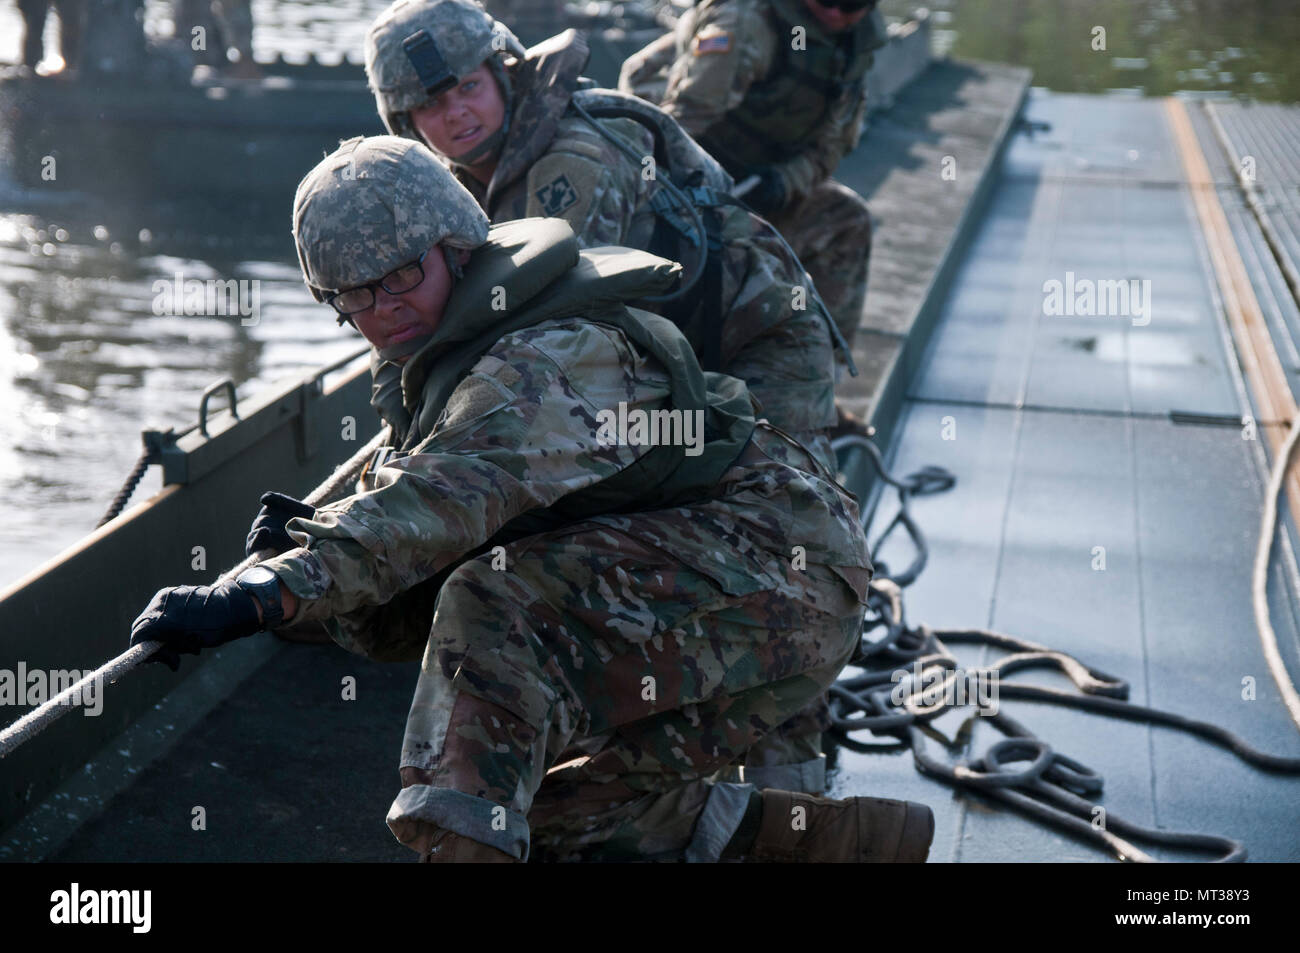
x=769 y=195
x=268 y=528
x=190 y=618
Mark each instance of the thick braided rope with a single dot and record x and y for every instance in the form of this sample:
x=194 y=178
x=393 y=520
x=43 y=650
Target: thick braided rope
x=34 y=722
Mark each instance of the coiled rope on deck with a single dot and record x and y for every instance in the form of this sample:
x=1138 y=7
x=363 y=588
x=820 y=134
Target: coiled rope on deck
x=910 y=678
x=34 y=722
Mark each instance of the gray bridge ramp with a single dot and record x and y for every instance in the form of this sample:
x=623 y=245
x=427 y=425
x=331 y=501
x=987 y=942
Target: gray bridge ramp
x=1061 y=437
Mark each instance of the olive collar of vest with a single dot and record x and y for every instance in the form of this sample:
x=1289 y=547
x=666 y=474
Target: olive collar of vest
x=544 y=83
x=536 y=262
x=527 y=272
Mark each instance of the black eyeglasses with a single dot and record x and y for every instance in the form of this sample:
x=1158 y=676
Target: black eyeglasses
x=398 y=281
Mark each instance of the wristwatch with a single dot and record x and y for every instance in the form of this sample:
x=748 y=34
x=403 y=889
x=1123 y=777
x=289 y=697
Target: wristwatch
x=264 y=586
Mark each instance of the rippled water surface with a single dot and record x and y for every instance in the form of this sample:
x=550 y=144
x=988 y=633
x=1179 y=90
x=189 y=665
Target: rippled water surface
x=1157 y=46
x=281 y=26
x=86 y=362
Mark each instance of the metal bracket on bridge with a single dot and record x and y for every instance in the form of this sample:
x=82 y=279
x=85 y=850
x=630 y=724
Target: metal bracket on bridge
x=228 y=386
x=307 y=426
x=295 y=406
x=1032 y=126
x=160 y=443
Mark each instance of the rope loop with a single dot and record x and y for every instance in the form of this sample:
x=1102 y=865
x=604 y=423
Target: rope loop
x=1021 y=771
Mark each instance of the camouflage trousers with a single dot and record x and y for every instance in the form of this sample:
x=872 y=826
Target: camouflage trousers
x=789 y=757
x=575 y=704
x=830 y=231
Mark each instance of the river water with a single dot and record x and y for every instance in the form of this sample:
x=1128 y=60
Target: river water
x=86 y=360
x=86 y=363
x=1155 y=46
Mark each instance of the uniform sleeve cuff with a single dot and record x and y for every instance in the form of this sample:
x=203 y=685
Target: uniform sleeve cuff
x=303 y=575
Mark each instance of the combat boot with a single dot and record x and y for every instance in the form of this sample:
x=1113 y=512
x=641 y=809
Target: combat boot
x=800 y=828
x=451 y=848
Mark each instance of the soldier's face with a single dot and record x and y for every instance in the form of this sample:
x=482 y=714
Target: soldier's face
x=462 y=117
x=399 y=317
x=835 y=20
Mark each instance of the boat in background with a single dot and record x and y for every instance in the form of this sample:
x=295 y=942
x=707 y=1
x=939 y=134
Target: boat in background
x=169 y=130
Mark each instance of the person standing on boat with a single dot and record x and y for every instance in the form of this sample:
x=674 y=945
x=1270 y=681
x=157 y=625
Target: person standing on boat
x=776 y=89
x=519 y=130
x=72 y=25
x=213 y=29
x=605 y=619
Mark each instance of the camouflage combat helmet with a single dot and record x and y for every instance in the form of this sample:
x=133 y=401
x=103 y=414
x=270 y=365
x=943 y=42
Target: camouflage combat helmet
x=375 y=204
x=418 y=48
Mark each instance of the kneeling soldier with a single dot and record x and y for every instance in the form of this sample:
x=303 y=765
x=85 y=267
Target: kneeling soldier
x=777 y=89
x=526 y=134
x=608 y=610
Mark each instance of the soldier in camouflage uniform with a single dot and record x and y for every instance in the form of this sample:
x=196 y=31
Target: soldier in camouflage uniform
x=513 y=135
x=776 y=89
x=509 y=126
x=604 y=617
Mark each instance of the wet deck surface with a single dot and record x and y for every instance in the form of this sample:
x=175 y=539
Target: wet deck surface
x=957 y=111
x=285 y=769
x=1064 y=443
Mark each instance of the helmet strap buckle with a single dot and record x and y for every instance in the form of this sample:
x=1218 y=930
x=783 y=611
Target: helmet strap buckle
x=429 y=65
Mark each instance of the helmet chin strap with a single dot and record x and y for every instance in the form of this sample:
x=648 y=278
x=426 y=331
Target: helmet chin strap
x=402 y=349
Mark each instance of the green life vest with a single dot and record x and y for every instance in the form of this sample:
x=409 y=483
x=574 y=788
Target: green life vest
x=782 y=113
x=537 y=264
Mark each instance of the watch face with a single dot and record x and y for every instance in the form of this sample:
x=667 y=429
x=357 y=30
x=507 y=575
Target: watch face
x=257 y=576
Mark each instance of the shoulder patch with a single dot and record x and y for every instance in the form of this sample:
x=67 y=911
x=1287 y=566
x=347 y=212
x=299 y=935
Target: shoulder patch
x=473 y=399
x=556 y=196
x=713 y=41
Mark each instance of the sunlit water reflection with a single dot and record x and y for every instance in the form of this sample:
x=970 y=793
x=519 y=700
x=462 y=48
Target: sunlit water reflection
x=1156 y=46
x=293 y=27
x=86 y=363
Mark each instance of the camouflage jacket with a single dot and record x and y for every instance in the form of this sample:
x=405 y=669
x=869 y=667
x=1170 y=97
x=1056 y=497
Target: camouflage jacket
x=554 y=165
x=728 y=51
x=520 y=432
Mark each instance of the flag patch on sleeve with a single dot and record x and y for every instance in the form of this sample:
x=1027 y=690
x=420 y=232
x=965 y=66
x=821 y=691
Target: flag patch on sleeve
x=712 y=43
